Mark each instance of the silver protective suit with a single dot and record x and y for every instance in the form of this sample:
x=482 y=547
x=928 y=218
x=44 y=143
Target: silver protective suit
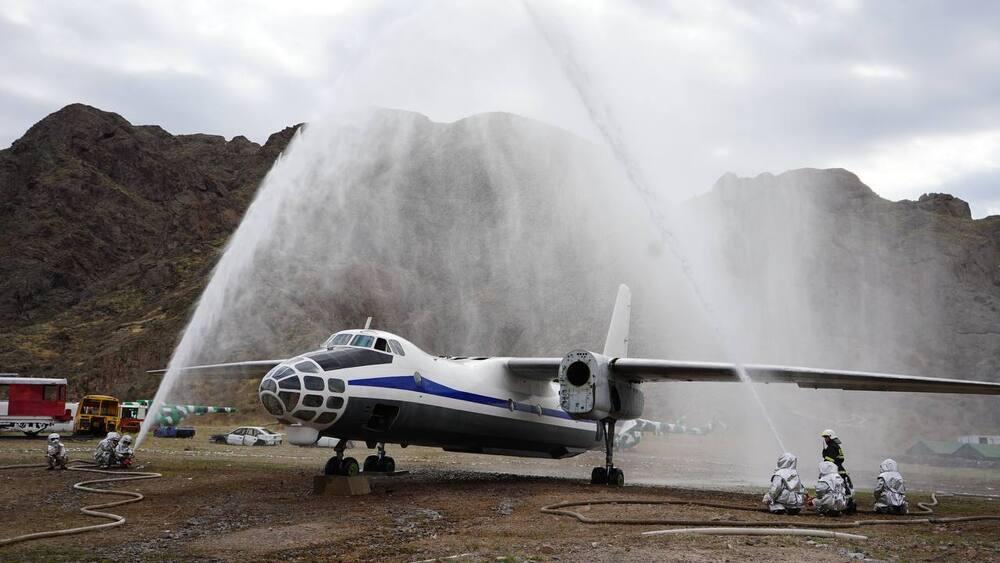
x=56 y=454
x=890 y=489
x=787 y=492
x=831 y=495
x=123 y=452
x=104 y=454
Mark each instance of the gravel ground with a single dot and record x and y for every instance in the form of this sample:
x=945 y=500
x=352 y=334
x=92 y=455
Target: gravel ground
x=247 y=503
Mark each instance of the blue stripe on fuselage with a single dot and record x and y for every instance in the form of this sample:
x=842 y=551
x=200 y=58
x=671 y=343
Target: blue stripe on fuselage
x=408 y=383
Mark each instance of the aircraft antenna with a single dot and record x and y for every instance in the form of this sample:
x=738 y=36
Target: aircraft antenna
x=368 y=323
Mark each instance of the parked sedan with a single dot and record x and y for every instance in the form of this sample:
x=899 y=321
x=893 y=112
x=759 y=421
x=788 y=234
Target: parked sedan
x=249 y=436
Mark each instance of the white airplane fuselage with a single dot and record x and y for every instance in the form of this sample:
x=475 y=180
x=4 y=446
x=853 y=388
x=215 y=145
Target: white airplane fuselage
x=473 y=405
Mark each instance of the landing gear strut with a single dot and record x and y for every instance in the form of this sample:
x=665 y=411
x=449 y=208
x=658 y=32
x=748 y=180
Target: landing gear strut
x=609 y=474
x=380 y=462
x=340 y=465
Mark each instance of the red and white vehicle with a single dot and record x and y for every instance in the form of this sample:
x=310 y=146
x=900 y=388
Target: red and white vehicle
x=34 y=404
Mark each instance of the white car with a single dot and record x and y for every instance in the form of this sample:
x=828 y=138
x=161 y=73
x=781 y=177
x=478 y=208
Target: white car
x=252 y=436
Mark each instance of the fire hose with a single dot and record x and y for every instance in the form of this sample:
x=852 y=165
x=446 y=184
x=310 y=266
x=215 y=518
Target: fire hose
x=752 y=527
x=94 y=509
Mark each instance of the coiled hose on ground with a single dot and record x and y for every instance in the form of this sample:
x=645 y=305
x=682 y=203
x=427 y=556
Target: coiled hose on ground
x=752 y=527
x=94 y=509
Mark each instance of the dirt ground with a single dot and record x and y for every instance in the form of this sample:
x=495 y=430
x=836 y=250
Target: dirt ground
x=219 y=502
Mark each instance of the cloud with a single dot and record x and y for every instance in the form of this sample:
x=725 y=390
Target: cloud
x=899 y=168
x=698 y=89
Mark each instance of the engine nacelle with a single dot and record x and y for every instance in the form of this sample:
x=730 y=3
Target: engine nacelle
x=587 y=390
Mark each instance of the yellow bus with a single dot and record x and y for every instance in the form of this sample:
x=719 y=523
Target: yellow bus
x=97 y=414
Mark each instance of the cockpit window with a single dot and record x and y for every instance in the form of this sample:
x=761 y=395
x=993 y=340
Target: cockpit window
x=397 y=348
x=339 y=340
x=363 y=341
x=381 y=345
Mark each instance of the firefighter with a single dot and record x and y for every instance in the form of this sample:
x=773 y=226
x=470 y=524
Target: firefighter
x=890 y=490
x=786 y=495
x=56 y=452
x=105 y=451
x=124 y=452
x=833 y=451
x=831 y=493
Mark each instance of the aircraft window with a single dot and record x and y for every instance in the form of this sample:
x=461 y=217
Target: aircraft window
x=349 y=358
x=304 y=415
x=312 y=401
x=334 y=402
x=336 y=385
x=290 y=383
x=307 y=367
x=289 y=399
x=363 y=341
x=284 y=371
x=313 y=383
x=272 y=405
x=381 y=345
x=326 y=418
x=339 y=340
x=397 y=348
x=269 y=385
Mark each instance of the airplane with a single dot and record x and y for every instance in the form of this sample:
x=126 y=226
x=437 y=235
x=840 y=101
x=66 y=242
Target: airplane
x=375 y=387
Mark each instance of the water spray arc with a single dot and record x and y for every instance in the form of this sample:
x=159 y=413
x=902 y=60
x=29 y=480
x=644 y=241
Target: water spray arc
x=602 y=117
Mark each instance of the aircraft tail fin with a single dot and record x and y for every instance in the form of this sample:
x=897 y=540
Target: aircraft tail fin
x=616 y=344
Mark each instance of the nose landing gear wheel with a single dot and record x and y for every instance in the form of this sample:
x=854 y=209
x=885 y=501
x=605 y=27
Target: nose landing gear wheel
x=598 y=476
x=380 y=463
x=350 y=467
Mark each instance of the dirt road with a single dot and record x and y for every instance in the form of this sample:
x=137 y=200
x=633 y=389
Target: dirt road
x=249 y=503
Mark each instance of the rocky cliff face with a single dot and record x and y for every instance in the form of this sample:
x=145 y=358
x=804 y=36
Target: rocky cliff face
x=107 y=232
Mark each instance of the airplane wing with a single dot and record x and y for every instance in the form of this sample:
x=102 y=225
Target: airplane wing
x=235 y=370
x=639 y=370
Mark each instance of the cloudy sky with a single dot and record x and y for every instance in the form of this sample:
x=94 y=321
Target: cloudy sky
x=906 y=94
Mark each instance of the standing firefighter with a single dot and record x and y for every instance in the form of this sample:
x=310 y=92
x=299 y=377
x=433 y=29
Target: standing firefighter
x=56 y=452
x=105 y=452
x=831 y=494
x=786 y=495
x=833 y=451
x=890 y=490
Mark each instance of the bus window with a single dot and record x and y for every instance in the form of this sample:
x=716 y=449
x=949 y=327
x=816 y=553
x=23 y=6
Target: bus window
x=4 y=392
x=50 y=392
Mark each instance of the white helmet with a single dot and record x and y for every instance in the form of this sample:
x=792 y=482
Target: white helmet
x=53 y=437
x=829 y=433
x=126 y=439
x=113 y=436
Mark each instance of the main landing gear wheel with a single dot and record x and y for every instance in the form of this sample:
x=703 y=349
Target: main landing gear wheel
x=609 y=474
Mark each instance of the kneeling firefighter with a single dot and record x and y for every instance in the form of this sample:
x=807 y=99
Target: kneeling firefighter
x=833 y=451
x=890 y=490
x=831 y=492
x=104 y=454
x=56 y=452
x=787 y=494
x=124 y=452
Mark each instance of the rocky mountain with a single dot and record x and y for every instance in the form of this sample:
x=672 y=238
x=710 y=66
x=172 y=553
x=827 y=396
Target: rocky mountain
x=108 y=232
